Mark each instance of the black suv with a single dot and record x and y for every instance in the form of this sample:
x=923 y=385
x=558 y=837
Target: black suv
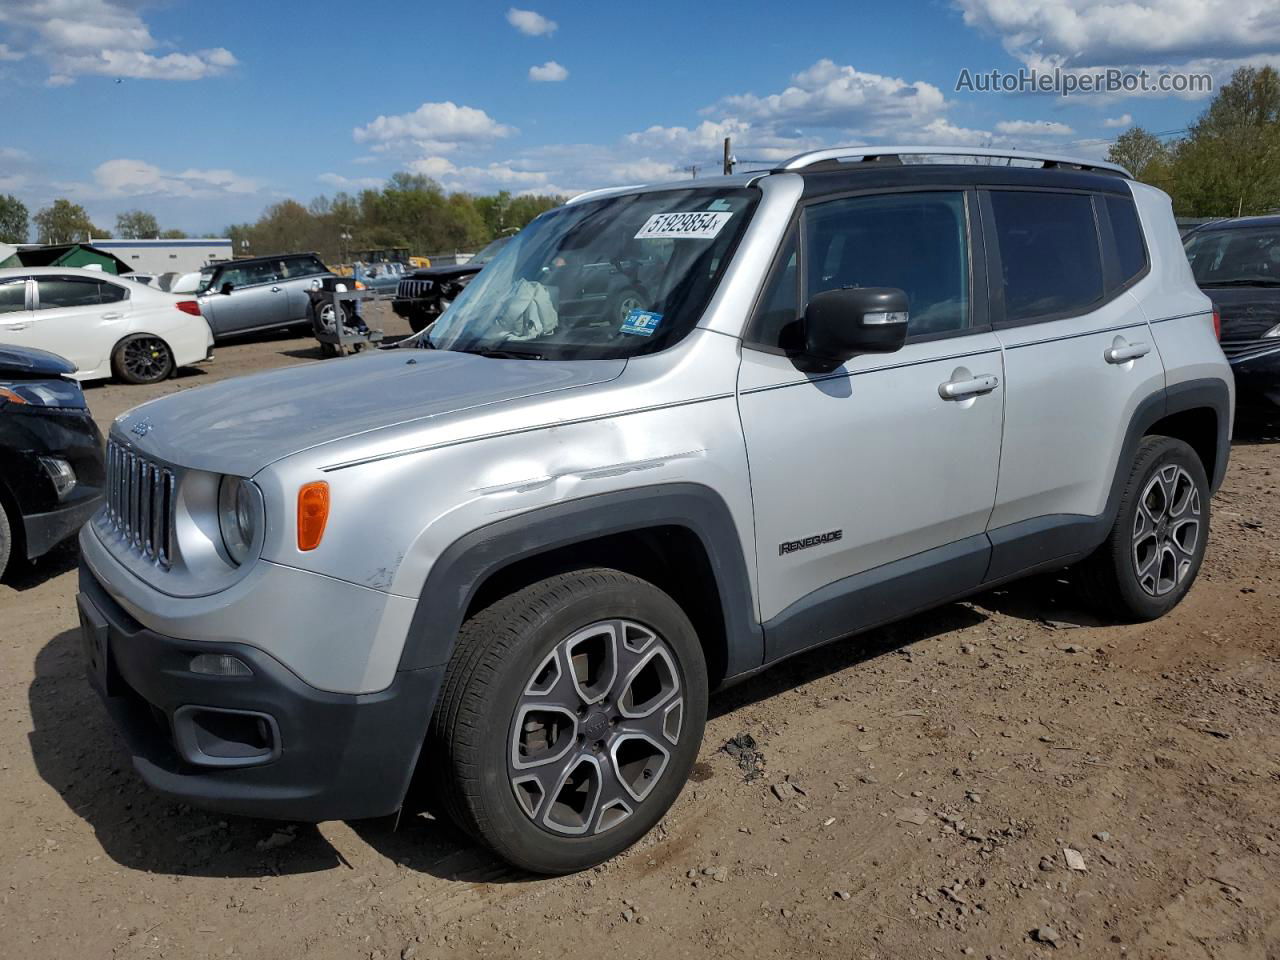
x=424 y=294
x=1237 y=263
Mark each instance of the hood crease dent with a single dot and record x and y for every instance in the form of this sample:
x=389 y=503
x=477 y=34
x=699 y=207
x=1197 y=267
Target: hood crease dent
x=242 y=425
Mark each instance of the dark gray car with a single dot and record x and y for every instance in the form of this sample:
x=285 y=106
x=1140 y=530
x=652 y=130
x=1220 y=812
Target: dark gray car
x=241 y=296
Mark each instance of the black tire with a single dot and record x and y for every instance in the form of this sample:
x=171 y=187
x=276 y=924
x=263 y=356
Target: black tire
x=419 y=320
x=623 y=302
x=501 y=654
x=142 y=358
x=1146 y=566
x=6 y=539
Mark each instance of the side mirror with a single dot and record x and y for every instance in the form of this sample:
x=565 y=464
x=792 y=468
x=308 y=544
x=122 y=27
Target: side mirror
x=839 y=324
x=226 y=288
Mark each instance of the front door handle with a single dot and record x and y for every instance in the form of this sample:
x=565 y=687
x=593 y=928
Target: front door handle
x=969 y=387
x=1125 y=353
x=275 y=289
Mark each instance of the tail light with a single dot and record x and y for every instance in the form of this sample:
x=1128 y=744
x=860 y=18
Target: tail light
x=189 y=306
x=1217 y=323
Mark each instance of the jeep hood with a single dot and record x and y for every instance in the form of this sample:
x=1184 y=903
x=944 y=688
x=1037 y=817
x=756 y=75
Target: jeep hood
x=241 y=425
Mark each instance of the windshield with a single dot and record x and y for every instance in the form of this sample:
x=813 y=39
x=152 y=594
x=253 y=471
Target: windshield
x=206 y=278
x=489 y=251
x=1235 y=257
x=605 y=279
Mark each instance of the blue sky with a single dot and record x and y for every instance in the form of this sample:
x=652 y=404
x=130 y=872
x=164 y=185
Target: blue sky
x=204 y=113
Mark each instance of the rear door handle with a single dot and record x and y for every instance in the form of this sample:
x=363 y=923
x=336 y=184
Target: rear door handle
x=972 y=387
x=1124 y=354
x=112 y=316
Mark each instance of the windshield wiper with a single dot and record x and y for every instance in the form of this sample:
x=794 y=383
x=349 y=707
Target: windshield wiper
x=507 y=354
x=1256 y=282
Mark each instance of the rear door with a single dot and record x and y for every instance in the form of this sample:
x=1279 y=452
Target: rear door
x=872 y=491
x=1079 y=358
x=15 y=311
x=79 y=318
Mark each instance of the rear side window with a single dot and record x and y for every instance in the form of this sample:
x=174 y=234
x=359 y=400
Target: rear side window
x=62 y=292
x=13 y=296
x=1049 y=254
x=1131 y=253
x=303 y=267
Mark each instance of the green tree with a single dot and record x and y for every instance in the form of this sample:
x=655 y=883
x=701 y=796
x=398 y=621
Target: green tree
x=13 y=219
x=172 y=234
x=65 y=222
x=1229 y=163
x=1142 y=153
x=136 y=225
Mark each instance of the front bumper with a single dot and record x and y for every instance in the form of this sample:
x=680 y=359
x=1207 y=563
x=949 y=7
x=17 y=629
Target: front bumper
x=44 y=531
x=1258 y=379
x=325 y=756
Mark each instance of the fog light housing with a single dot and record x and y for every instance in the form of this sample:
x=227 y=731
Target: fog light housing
x=61 y=473
x=219 y=665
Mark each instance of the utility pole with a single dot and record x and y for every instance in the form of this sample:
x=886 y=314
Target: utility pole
x=693 y=170
x=729 y=159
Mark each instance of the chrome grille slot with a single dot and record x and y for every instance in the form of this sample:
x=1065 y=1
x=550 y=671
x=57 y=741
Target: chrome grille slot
x=140 y=502
x=413 y=289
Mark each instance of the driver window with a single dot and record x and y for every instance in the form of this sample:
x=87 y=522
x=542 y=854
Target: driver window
x=917 y=242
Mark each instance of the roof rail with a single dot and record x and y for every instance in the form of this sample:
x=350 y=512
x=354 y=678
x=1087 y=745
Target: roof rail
x=874 y=153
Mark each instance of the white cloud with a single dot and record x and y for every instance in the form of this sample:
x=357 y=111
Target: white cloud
x=105 y=38
x=339 y=182
x=432 y=128
x=1124 y=120
x=1106 y=33
x=126 y=177
x=828 y=95
x=530 y=23
x=1043 y=128
x=549 y=72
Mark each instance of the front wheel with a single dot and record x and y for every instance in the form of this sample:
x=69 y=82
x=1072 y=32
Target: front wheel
x=1157 y=543
x=570 y=717
x=142 y=358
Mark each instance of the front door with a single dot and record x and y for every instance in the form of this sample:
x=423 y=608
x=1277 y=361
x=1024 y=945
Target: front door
x=258 y=298
x=872 y=488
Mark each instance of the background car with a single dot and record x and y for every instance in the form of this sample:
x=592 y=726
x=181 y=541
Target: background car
x=1237 y=263
x=424 y=294
x=51 y=467
x=103 y=324
x=259 y=293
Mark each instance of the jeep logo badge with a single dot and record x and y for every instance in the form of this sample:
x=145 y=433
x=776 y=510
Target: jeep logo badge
x=142 y=427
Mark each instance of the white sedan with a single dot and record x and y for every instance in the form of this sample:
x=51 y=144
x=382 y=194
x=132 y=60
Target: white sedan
x=102 y=323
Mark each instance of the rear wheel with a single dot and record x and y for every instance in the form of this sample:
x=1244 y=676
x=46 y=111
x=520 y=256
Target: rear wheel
x=569 y=719
x=1156 y=546
x=142 y=358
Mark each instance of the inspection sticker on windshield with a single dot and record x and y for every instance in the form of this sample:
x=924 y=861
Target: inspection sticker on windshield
x=702 y=225
x=641 y=322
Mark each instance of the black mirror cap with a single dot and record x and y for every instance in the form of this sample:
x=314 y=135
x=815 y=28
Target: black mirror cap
x=843 y=323
x=226 y=288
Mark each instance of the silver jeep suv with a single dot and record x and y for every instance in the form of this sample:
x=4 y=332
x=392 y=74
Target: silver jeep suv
x=516 y=553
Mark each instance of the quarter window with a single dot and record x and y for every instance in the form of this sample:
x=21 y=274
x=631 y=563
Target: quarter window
x=779 y=311
x=1049 y=253
x=917 y=242
x=1131 y=254
x=13 y=296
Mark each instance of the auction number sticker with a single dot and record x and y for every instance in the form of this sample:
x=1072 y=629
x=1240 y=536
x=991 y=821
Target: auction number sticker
x=704 y=225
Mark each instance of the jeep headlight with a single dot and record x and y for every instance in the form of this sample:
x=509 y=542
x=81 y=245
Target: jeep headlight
x=239 y=516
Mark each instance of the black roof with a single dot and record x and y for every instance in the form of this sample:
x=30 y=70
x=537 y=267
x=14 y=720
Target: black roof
x=1239 y=223
x=266 y=256
x=850 y=178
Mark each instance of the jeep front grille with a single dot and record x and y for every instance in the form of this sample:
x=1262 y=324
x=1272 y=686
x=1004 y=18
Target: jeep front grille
x=413 y=289
x=140 y=503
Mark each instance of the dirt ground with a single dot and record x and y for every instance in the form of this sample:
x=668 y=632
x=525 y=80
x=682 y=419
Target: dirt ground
x=910 y=794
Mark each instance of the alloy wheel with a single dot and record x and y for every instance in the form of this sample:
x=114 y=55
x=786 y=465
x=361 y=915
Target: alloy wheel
x=146 y=358
x=594 y=728
x=1166 y=530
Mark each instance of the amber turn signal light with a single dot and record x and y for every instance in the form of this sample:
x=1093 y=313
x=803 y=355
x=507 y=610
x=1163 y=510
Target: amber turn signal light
x=313 y=513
